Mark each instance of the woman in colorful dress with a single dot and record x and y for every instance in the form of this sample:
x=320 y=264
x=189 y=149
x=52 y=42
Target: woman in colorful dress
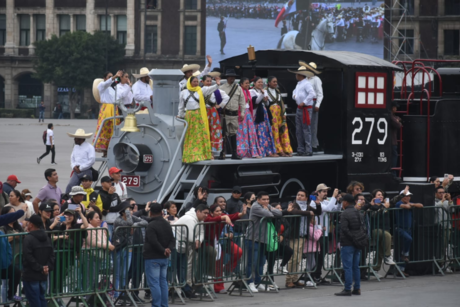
x=197 y=145
x=107 y=99
x=246 y=138
x=279 y=125
x=262 y=120
x=214 y=100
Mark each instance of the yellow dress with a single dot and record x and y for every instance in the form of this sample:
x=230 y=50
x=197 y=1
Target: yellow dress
x=107 y=110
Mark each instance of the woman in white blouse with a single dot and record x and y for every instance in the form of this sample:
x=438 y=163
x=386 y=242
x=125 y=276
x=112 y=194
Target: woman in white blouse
x=192 y=107
x=124 y=90
x=107 y=99
x=262 y=120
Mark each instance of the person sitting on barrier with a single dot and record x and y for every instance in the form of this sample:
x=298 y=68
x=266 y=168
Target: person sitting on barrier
x=122 y=239
x=200 y=191
x=158 y=247
x=312 y=245
x=38 y=261
x=171 y=210
x=403 y=225
x=327 y=206
x=256 y=239
x=111 y=202
x=213 y=248
x=444 y=204
x=13 y=271
x=187 y=241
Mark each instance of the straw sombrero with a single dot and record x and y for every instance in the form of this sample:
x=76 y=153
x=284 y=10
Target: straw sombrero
x=302 y=71
x=144 y=72
x=192 y=67
x=80 y=133
x=215 y=72
x=96 y=95
x=311 y=66
x=196 y=73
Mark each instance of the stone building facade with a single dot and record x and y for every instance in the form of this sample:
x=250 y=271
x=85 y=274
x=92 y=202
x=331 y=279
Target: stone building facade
x=157 y=34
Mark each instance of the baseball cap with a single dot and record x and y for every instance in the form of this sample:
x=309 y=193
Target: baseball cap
x=237 y=189
x=408 y=193
x=86 y=177
x=349 y=198
x=13 y=178
x=45 y=207
x=155 y=208
x=322 y=186
x=36 y=220
x=114 y=170
x=106 y=179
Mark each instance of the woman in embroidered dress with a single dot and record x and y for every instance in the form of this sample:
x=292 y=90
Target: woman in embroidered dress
x=107 y=98
x=246 y=137
x=262 y=120
x=214 y=100
x=192 y=107
x=279 y=125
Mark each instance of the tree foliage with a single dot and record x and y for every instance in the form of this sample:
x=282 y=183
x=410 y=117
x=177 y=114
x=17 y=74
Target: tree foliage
x=75 y=59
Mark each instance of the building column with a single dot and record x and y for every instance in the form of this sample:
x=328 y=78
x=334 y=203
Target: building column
x=10 y=29
x=90 y=17
x=48 y=99
x=72 y=23
x=50 y=19
x=32 y=35
x=113 y=29
x=8 y=75
x=130 y=36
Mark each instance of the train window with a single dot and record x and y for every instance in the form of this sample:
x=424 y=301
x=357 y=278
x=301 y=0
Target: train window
x=370 y=90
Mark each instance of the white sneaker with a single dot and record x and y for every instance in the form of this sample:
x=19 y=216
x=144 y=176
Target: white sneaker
x=310 y=284
x=261 y=287
x=281 y=269
x=272 y=288
x=253 y=288
x=448 y=270
x=301 y=282
x=389 y=260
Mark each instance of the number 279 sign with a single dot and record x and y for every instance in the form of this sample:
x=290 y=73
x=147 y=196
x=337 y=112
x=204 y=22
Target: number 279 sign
x=148 y=159
x=131 y=181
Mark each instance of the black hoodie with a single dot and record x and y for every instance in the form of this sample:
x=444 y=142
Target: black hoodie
x=37 y=253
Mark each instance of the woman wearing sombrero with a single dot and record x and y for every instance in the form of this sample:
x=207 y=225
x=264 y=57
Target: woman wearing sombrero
x=192 y=107
x=105 y=94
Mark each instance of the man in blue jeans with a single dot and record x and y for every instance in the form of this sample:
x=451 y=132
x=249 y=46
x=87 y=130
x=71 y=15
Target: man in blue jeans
x=350 y=221
x=41 y=112
x=38 y=262
x=159 y=243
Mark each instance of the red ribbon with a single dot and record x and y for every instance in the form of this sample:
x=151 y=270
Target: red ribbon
x=306 y=115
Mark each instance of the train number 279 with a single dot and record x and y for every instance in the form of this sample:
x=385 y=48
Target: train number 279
x=382 y=128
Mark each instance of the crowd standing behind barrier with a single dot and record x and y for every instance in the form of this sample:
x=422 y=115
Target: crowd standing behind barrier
x=247 y=249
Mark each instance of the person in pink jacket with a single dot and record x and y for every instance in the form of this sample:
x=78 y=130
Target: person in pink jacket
x=312 y=246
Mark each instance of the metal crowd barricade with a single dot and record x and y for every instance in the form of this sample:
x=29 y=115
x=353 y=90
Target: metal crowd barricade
x=220 y=259
x=11 y=278
x=454 y=248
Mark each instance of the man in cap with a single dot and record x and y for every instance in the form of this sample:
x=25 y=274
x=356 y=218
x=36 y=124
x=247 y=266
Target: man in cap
x=141 y=89
x=10 y=184
x=223 y=38
x=317 y=85
x=38 y=261
x=120 y=187
x=50 y=190
x=303 y=95
x=77 y=194
x=82 y=158
x=189 y=70
x=92 y=197
x=403 y=225
x=230 y=114
x=111 y=202
x=351 y=255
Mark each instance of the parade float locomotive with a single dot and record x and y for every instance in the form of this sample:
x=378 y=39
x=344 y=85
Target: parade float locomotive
x=354 y=131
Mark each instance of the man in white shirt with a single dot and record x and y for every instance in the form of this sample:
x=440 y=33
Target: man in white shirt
x=82 y=158
x=303 y=95
x=120 y=187
x=189 y=70
x=317 y=85
x=49 y=144
x=141 y=89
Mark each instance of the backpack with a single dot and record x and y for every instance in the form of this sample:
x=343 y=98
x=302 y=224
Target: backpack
x=6 y=256
x=44 y=136
x=272 y=238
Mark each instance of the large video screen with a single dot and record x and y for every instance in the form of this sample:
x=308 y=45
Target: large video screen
x=353 y=25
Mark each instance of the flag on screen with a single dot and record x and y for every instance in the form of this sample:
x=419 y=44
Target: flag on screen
x=288 y=8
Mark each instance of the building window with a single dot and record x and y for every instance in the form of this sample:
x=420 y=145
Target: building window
x=24 y=28
x=151 y=36
x=106 y=25
x=64 y=24
x=451 y=42
x=151 y=4
x=121 y=29
x=452 y=7
x=81 y=23
x=40 y=27
x=370 y=90
x=2 y=30
x=406 y=42
x=191 y=5
x=409 y=6
x=190 y=40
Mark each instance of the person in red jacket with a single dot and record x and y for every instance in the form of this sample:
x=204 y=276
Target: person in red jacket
x=213 y=234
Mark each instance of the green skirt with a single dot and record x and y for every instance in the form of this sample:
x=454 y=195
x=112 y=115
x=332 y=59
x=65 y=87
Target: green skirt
x=197 y=146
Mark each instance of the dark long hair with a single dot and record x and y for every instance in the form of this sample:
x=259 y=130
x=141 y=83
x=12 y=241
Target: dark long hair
x=18 y=195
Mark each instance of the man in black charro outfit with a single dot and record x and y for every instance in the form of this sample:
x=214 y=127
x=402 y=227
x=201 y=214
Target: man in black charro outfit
x=310 y=20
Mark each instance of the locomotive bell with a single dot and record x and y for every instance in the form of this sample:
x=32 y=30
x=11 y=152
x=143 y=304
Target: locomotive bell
x=130 y=123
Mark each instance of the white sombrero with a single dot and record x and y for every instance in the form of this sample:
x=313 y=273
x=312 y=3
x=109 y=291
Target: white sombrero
x=144 y=72
x=96 y=95
x=302 y=71
x=196 y=73
x=310 y=66
x=192 y=67
x=80 y=134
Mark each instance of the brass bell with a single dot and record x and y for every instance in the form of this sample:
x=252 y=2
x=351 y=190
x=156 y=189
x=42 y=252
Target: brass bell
x=130 y=123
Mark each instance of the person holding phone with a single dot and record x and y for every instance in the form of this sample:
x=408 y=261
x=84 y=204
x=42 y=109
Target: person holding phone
x=77 y=195
x=171 y=210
